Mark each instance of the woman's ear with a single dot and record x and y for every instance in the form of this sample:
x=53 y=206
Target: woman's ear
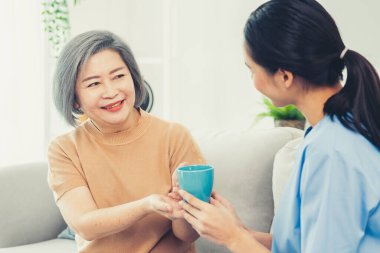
x=78 y=110
x=284 y=78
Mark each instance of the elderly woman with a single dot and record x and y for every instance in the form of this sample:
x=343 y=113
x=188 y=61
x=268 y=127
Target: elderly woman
x=112 y=174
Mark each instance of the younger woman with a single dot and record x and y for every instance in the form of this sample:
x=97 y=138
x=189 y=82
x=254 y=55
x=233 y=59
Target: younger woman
x=332 y=202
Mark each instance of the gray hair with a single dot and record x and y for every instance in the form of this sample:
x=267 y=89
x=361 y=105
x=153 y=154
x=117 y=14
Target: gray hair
x=75 y=55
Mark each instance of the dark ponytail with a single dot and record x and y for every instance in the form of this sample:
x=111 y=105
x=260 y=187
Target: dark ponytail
x=360 y=97
x=300 y=36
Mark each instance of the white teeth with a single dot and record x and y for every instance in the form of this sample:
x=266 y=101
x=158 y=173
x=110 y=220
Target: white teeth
x=114 y=105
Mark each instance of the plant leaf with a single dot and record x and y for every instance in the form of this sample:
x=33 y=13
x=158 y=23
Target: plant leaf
x=289 y=112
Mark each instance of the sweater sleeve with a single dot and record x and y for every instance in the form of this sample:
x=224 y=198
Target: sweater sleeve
x=64 y=170
x=183 y=148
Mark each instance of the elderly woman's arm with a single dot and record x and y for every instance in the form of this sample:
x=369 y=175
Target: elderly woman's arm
x=170 y=243
x=82 y=215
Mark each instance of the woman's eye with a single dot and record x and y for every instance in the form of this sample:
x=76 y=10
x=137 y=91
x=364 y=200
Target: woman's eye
x=93 y=84
x=119 y=76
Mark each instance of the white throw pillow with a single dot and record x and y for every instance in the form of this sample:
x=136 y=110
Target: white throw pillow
x=282 y=168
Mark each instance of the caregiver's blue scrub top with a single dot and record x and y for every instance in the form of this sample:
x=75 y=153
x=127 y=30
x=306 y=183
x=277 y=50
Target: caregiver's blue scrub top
x=331 y=202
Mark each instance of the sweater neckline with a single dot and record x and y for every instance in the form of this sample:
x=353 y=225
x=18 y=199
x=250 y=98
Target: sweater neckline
x=123 y=137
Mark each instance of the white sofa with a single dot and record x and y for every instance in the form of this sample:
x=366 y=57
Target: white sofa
x=243 y=161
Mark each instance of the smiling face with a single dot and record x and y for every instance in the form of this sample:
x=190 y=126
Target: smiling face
x=105 y=92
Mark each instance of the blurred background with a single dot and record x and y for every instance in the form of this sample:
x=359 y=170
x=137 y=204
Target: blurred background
x=190 y=52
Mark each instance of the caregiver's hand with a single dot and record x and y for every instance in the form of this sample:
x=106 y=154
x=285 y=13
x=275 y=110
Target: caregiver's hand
x=216 y=221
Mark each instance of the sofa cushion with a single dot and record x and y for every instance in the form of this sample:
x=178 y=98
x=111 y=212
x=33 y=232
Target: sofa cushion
x=243 y=163
x=28 y=212
x=50 y=246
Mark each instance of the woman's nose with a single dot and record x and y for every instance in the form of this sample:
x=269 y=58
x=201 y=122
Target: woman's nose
x=109 y=90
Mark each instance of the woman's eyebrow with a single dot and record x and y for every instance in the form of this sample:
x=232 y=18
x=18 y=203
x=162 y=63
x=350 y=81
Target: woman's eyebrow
x=94 y=77
x=117 y=69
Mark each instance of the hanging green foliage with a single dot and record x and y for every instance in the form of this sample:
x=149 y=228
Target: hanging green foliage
x=57 y=23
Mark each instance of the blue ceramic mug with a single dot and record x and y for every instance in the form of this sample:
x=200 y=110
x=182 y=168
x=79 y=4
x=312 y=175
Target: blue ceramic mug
x=197 y=180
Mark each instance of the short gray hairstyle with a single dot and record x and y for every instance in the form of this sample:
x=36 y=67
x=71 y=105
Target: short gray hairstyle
x=75 y=55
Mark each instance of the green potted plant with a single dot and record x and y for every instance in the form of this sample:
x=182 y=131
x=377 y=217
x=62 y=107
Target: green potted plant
x=287 y=116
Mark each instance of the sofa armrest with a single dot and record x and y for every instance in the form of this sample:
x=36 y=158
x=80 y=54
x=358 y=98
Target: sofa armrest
x=28 y=213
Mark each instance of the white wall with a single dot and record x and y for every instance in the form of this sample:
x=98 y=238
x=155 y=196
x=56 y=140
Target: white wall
x=358 y=22
x=211 y=83
x=191 y=51
x=22 y=93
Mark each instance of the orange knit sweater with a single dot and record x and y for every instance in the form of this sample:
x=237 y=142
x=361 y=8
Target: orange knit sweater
x=119 y=168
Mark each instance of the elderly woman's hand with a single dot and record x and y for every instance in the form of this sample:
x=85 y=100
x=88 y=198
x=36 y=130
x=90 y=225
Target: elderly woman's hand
x=164 y=206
